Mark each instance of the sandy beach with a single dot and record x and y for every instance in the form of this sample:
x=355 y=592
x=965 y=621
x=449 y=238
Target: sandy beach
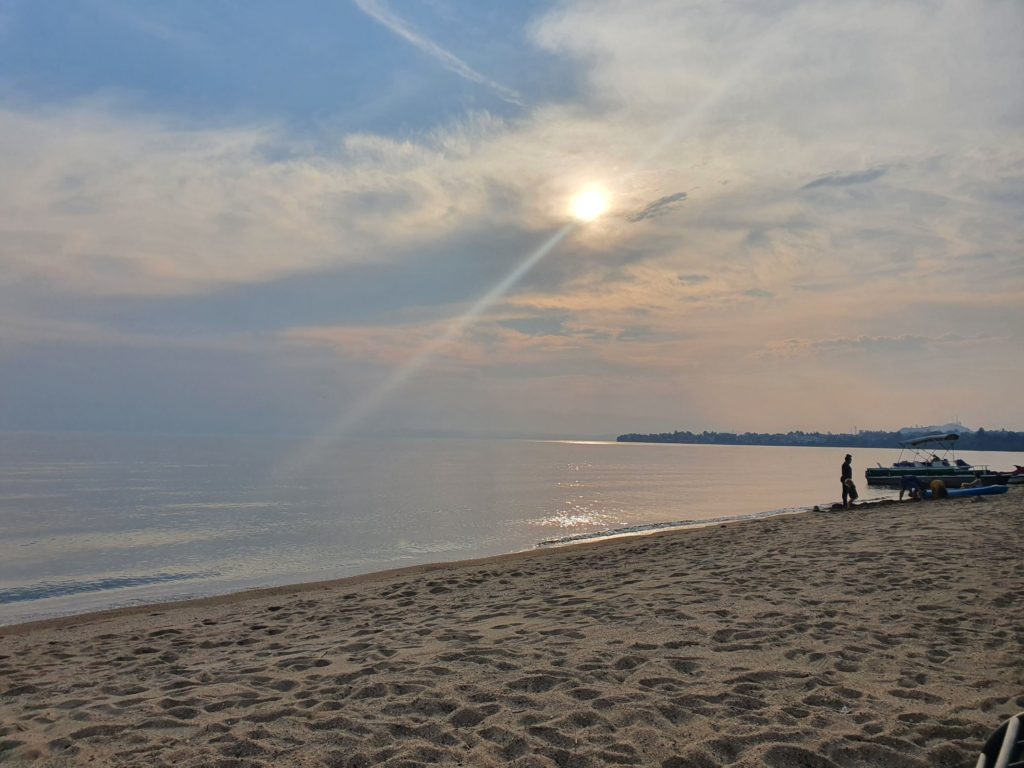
x=887 y=636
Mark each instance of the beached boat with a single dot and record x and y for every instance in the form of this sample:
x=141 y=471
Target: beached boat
x=981 y=490
x=931 y=457
x=1017 y=476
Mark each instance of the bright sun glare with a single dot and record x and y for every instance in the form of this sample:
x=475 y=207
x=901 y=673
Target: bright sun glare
x=589 y=204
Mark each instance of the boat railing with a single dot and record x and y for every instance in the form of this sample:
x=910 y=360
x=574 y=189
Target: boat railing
x=933 y=465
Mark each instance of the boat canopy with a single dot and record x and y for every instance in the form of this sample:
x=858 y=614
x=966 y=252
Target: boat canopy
x=936 y=439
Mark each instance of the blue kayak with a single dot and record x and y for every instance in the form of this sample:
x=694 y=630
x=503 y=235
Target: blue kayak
x=984 y=490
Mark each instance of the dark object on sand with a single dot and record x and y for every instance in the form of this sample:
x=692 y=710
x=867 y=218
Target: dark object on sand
x=1005 y=747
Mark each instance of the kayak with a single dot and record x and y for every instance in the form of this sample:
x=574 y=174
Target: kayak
x=984 y=490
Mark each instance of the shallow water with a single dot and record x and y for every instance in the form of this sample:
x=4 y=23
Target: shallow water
x=99 y=521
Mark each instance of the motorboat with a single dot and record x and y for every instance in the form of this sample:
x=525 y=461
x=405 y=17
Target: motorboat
x=931 y=457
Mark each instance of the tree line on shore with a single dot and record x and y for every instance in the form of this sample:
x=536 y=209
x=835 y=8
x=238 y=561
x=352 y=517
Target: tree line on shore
x=981 y=440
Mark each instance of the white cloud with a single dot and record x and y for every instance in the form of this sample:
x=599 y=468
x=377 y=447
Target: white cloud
x=852 y=172
x=97 y=201
x=378 y=10
x=769 y=101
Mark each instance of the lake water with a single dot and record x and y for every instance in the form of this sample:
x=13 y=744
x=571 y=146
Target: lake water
x=89 y=522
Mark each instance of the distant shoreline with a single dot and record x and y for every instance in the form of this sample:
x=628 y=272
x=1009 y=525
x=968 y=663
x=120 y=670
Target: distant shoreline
x=982 y=440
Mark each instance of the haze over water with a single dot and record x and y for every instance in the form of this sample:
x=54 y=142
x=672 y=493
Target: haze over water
x=97 y=521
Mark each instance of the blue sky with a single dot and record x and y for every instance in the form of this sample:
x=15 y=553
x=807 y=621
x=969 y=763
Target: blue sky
x=219 y=62
x=264 y=216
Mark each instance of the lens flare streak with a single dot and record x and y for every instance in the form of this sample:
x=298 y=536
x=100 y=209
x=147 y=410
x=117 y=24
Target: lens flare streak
x=368 y=404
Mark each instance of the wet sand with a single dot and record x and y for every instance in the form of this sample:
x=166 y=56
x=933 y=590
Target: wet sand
x=892 y=635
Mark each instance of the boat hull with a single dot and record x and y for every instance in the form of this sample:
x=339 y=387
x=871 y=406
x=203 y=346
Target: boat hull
x=893 y=476
x=952 y=478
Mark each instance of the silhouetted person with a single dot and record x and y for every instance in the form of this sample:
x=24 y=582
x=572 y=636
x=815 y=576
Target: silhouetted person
x=846 y=478
x=938 y=490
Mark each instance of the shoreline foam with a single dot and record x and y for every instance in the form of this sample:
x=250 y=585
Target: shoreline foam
x=132 y=602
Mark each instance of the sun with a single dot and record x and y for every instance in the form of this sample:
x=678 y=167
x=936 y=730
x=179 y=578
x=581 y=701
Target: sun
x=589 y=204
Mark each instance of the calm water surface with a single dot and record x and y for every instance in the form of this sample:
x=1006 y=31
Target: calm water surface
x=98 y=521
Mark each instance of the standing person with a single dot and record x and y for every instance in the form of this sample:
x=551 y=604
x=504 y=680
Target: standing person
x=846 y=474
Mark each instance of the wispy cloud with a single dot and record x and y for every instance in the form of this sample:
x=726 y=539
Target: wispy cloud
x=379 y=11
x=693 y=279
x=798 y=347
x=658 y=207
x=838 y=180
x=150 y=24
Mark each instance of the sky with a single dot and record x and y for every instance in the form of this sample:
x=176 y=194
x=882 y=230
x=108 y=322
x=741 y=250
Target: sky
x=350 y=217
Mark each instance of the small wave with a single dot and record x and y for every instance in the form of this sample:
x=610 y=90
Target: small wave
x=638 y=530
x=65 y=588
